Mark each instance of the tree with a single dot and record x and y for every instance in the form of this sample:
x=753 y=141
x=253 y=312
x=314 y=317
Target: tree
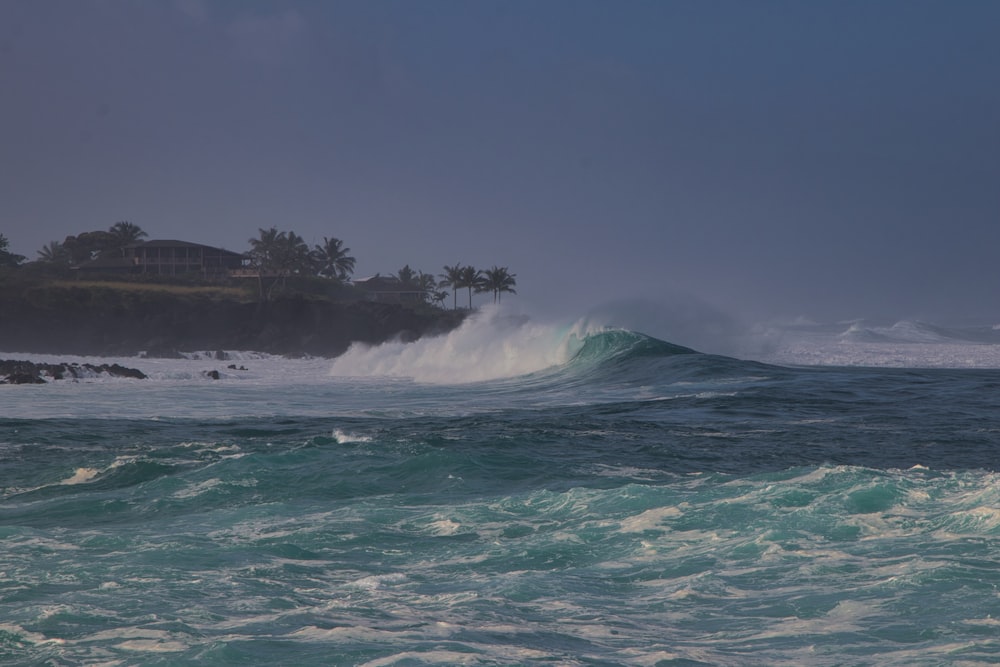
x=497 y=280
x=281 y=253
x=452 y=277
x=89 y=245
x=278 y=254
x=407 y=276
x=471 y=278
x=293 y=255
x=426 y=282
x=418 y=281
x=331 y=259
x=262 y=252
x=264 y=249
x=438 y=297
x=54 y=252
x=8 y=258
x=125 y=233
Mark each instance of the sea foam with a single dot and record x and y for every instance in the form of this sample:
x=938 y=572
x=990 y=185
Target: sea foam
x=491 y=344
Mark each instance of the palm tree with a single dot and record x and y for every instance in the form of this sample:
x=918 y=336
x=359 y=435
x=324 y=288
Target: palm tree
x=332 y=259
x=54 y=252
x=426 y=282
x=261 y=250
x=452 y=277
x=497 y=280
x=293 y=254
x=407 y=276
x=269 y=253
x=471 y=278
x=127 y=231
x=427 y=285
x=123 y=233
x=264 y=248
x=438 y=297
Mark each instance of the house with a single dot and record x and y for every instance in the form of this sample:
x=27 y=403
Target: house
x=173 y=257
x=168 y=258
x=389 y=289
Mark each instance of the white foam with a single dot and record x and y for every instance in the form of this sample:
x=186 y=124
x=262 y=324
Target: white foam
x=649 y=520
x=81 y=476
x=141 y=639
x=489 y=345
x=343 y=437
x=198 y=489
x=32 y=637
x=151 y=646
x=377 y=581
x=438 y=657
x=445 y=526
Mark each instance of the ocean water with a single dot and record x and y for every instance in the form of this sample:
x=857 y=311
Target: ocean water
x=513 y=494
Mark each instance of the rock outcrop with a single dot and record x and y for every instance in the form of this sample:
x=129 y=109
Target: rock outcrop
x=108 y=322
x=13 y=371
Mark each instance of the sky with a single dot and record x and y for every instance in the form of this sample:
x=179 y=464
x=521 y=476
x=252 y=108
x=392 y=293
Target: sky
x=767 y=159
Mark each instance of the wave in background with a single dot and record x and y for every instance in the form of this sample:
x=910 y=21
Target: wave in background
x=902 y=344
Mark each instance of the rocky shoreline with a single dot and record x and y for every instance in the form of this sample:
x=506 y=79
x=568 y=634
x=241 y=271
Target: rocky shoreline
x=15 y=371
x=118 y=323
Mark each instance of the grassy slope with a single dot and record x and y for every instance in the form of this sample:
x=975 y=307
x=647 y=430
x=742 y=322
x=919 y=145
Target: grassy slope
x=208 y=291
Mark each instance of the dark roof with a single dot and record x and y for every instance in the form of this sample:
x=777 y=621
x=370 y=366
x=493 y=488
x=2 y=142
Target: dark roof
x=170 y=243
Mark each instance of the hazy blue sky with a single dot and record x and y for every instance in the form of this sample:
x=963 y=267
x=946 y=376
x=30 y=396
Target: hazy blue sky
x=820 y=159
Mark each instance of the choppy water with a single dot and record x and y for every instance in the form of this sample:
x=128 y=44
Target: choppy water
x=633 y=504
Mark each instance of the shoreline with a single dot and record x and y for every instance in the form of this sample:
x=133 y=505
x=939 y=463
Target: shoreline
x=100 y=322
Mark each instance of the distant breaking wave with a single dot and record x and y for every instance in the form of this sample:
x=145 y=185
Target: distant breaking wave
x=906 y=343
x=908 y=331
x=904 y=331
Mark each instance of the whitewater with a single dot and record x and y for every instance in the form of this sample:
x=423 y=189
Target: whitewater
x=514 y=492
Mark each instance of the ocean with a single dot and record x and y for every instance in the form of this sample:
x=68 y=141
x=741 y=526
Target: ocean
x=513 y=493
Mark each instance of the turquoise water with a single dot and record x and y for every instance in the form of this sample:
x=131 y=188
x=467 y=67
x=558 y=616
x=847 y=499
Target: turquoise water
x=636 y=504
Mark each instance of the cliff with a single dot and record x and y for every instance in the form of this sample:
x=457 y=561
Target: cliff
x=106 y=321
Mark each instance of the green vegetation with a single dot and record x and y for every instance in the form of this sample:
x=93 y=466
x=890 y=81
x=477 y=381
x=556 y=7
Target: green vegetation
x=281 y=262
x=207 y=291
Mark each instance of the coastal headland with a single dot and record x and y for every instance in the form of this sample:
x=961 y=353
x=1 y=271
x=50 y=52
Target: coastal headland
x=109 y=319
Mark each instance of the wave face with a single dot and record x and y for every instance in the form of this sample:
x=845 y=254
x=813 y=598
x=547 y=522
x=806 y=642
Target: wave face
x=616 y=345
x=513 y=493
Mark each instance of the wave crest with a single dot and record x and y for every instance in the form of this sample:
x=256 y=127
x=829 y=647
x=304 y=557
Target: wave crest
x=493 y=344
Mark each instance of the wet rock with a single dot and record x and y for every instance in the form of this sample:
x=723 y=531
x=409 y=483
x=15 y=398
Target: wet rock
x=28 y=372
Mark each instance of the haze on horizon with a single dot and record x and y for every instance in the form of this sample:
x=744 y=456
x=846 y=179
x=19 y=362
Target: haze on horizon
x=826 y=160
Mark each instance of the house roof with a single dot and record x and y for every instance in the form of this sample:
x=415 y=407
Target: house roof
x=171 y=243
